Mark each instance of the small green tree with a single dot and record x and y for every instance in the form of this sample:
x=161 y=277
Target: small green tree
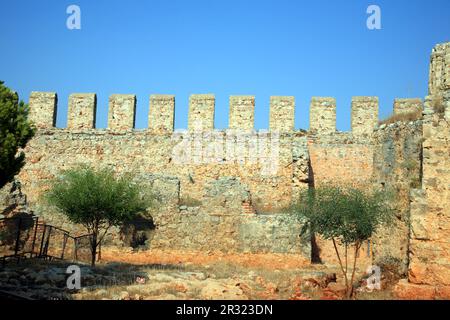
x=98 y=200
x=15 y=132
x=346 y=216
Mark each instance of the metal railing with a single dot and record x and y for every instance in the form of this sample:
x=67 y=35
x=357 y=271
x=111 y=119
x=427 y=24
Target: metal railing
x=26 y=237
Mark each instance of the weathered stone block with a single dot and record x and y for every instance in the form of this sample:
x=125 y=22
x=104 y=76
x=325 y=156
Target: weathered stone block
x=418 y=215
x=225 y=196
x=82 y=111
x=162 y=113
x=122 y=112
x=282 y=113
x=322 y=115
x=242 y=113
x=43 y=109
x=166 y=189
x=364 y=115
x=201 y=112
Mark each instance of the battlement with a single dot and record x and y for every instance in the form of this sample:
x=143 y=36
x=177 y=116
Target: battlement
x=201 y=112
x=43 y=109
x=82 y=111
x=242 y=112
x=122 y=113
x=161 y=116
x=364 y=117
x=322 y=115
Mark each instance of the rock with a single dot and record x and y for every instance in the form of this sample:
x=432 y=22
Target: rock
x=135 y=287
x=137 y=297
x=410 y=291
x=167 y=297
x=88 y=279
x=153 y=288
x=77 y=296
x=161 y=277
x=54 y=277
x=124 y=295
x=219 y=291
x=337 y=288
x=40 y=278
x=14 y=282
x=101 y=292
x=272 y=288
x=196 y=275
x=46 y=287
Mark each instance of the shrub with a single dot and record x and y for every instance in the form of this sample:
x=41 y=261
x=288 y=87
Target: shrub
x=15 y=132
x=410 y=164
x=348 y=216
x=97 y=199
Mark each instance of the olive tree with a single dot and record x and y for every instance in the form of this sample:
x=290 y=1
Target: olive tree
x=346 y=216
x=97 y=199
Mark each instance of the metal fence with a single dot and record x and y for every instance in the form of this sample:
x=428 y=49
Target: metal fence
x=25 y=237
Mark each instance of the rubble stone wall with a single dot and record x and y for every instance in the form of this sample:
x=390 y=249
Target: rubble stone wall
x=230 y=189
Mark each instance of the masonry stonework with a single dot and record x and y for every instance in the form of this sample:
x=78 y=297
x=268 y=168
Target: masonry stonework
x=242 y=112
x=364 y=115
x=230 y=190
x=43 y=109
x=122 y=112
x=397 y=167
x=82 y=111
x=282 y=114
x=429 y=265
x=322 y=116
x=162 y=113
x=201 y=112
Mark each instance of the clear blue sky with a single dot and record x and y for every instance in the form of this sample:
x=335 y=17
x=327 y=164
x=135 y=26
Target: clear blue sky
x=226 y=47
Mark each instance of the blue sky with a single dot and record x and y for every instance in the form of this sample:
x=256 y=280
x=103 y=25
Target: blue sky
x=225 y=47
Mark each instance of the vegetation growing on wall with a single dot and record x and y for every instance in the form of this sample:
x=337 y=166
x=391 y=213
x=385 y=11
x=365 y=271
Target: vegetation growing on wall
x=402 y=117
x=438 y=105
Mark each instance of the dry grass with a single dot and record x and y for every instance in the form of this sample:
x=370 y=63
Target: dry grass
x=185 y=257
x=402 y=117
x=438 y=105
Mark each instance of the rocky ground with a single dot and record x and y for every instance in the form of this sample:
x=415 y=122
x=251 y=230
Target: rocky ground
x=144 y=276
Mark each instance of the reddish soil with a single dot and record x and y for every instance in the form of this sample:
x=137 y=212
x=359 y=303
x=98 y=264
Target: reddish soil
x=174 y=257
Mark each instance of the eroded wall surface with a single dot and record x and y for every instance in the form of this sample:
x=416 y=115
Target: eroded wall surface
x=230 y=189
x=397 y=168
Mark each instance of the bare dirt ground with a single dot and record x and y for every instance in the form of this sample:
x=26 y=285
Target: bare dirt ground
x=170 y=275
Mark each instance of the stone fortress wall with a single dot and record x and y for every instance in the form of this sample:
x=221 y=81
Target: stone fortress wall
x=227 y=189
x=429 y=242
